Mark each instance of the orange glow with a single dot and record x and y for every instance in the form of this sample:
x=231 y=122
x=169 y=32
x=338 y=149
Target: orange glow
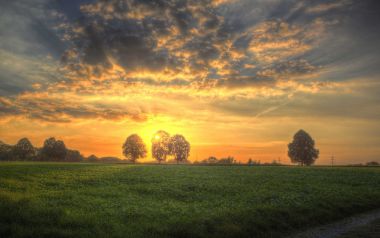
x=232 y=86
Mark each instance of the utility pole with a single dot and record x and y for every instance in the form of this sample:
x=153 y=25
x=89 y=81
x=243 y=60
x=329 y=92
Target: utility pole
x=279 y=160
x=332 y=160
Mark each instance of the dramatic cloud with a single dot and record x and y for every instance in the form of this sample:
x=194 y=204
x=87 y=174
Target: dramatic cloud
x=204 y=61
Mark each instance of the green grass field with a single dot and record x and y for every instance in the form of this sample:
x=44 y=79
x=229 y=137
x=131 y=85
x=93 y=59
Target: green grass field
x=111 y=200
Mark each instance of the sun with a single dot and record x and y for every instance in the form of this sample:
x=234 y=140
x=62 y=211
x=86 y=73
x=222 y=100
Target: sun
x=157 y=137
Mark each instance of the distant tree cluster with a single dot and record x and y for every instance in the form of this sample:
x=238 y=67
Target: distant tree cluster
x=370 y=163
x=163 y=146
x=258 y=163
x=253 y=162
x=214 y=160
x=52 y=150
x=107 y=159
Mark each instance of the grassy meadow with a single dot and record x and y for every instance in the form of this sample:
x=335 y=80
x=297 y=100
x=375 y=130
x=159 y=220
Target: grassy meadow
x=118 y=200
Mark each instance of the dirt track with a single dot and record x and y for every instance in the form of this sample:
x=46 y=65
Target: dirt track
x=341 y=227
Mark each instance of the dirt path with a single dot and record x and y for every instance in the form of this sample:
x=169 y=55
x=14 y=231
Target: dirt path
x=336 y=229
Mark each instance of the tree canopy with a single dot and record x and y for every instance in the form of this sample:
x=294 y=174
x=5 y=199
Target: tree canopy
x=301 y=149
x=73 y=156
x=5 y=151
x=179 y=147
x=134 y=148
x=24 y=150
x=53 y=150
x=160 y=145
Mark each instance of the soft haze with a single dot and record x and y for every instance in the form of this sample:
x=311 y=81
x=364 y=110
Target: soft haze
x=235 y=77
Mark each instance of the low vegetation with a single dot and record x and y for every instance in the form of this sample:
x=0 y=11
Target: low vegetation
x=113 y=200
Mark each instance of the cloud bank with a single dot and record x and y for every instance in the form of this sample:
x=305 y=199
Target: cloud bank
x=134 y=59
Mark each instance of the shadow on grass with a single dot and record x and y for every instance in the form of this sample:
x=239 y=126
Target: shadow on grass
x=23 y=218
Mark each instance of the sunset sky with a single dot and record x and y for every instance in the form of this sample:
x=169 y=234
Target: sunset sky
x=235 y=77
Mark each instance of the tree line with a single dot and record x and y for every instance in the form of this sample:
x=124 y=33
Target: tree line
x=52 y=150
x=164 y=146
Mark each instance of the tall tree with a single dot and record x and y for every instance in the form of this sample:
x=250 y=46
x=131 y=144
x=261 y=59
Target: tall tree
x=302 y=150
x=53 y=150
x=179 y=147
x=160 y=145
x=24 y=150
x=134 y=148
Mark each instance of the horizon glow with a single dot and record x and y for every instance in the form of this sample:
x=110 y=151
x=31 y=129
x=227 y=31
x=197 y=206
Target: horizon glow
x=235 y=77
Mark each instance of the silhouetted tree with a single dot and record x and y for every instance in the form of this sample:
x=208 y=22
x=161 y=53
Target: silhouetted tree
x=110 y=159
x=73 y=156
x=5 y=152
x=228 y=160
x=372 y=163
x=253 y=162
x=160 y=145
x=92 y=158
x=179 y=147
x=134 y=148
x=302 y=150
x=210 y=160
x=24 y=150
x=53 y=150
